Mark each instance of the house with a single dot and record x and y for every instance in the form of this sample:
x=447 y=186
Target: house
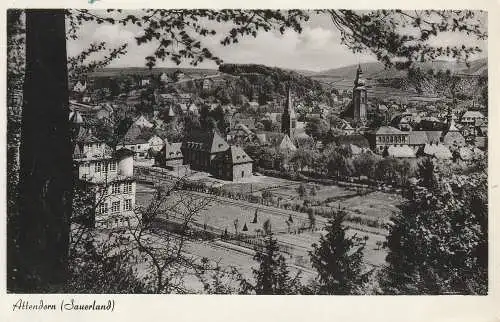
x=234 y=164
x=142 y=141
x=472 y=117
x=173 y=98
x=211 y=153
x=240 y=133
x=200 y=149
x=418 y=139
x=400 y=152
x=403 y=121
x=142 y=121
x=106 y=178
x=354 y=139
x=145 y=81
x=342 y=126
x=386 y=136
x=438 y=151
x=170 y=156
x=431 y=123
x=452 y=136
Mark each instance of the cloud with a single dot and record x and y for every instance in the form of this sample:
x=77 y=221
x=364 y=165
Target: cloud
x=317 y=38
x=317 y=48
x=113 y=34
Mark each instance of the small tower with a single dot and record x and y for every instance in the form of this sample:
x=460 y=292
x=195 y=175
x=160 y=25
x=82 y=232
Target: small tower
x=359 y=97
x=288 y=119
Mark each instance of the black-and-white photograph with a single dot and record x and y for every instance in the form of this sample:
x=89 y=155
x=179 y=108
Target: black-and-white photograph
x=276 y=152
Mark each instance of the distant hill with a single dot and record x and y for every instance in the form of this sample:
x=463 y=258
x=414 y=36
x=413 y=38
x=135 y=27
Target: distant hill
x=376 y=70
x=115 y=71
x=390 y=82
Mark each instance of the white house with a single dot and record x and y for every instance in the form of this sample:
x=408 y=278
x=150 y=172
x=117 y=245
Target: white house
x=106 y=178
x=141 y=121
x=472 y=117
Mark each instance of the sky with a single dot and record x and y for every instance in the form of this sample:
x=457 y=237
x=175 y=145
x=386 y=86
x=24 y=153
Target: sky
x=317 y=48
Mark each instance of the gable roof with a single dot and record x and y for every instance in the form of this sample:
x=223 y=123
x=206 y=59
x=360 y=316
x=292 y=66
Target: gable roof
x=418 y=138
x=143 y=122
x=401 y=151
x=439 y=151
x=453 y=137
x=433 y=136
x=287 y=144
x=209 y=142
x=388 y=130
x=138 y=135
x=238 y=155
x=75 y=117
x=473 y=114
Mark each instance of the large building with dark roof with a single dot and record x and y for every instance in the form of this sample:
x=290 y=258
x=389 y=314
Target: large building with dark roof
x=209 y=152
x=233 y=164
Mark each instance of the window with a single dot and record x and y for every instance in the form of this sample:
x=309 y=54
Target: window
x=98 y=167
x=128 y=187
x=242 y=174
x=115 y=207
x=115 y=188
x=103 y=208
x=112 y=166
x=128 y=204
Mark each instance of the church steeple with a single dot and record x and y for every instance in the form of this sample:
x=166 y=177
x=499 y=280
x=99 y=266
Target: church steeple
x=288 y=119
x=359 y=97
x=359 y=71
x=289 y=99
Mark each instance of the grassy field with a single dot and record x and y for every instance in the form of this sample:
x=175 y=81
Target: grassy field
x=376 y=204
x=287 y=189
x=222 y=212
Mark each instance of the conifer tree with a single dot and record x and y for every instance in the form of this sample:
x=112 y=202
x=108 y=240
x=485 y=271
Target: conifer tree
x=273 y=276
x=338 y=260
x=254 y=221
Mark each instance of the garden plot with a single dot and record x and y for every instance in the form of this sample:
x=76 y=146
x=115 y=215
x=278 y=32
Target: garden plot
x=376 y=204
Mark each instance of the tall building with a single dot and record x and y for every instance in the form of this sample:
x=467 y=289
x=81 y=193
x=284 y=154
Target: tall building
x=105 y=179
x=359 y=97
x=288 y=118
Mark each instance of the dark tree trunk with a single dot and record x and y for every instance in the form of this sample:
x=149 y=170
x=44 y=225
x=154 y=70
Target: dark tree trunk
x=45 y=188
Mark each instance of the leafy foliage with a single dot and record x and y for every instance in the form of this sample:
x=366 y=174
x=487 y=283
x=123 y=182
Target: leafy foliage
x=438 y=243
x=396 y=37
x=382 y=32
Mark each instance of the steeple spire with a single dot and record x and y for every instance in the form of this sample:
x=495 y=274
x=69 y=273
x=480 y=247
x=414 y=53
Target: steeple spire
x=289 y=98
x=359 y=71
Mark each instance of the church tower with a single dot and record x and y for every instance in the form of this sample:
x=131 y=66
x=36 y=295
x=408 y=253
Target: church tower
x=288 y=119
x=359 y=97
